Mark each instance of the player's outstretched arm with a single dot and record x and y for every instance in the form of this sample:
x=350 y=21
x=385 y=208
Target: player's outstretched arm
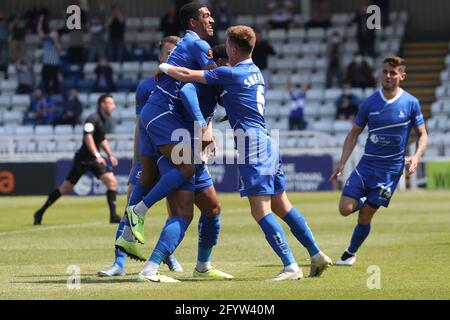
x=183 y=74
x=422 y=142
x=349 y=145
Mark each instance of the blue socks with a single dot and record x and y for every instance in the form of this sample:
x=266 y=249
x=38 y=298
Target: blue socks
x=168 y=183
x=276 y=238
x=121 y=256
x=359 y=235
x=170 y=238
x=138 y=193
x=208 y=234
x=301 y=231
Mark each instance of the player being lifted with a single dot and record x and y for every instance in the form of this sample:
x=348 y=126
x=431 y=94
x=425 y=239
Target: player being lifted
x=88 y=158
x=243 y=99
x=143 y=92
x=161 y=116
x=389 y=113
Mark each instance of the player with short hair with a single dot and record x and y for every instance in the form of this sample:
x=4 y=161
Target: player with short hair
x=262 y=178
x=143 y=92
x=88 y=158
x=390 y=114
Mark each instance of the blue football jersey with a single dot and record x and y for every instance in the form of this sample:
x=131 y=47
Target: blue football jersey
x=389 y=123
x=143 y=92
x=242 y=94
x=191 y=52
x=207 y=98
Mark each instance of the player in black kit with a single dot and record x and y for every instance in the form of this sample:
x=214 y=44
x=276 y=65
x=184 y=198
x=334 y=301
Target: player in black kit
x=88 y=158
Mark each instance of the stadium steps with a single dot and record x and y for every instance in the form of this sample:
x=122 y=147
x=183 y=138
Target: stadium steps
x=425 y=60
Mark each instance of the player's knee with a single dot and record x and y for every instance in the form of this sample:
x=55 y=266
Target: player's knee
x=187 y=170
x=215 y=209
x=345 y=210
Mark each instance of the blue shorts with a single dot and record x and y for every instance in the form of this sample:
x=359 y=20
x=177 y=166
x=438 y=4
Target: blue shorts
x=262 y=179
x=135 y=173
x=201 y=182
x=159 y=123
x=377 y=185
x=146 y=147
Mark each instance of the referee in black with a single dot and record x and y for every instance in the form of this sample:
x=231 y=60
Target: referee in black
x=88 y=158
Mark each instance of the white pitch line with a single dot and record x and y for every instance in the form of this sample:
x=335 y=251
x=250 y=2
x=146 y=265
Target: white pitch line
x=38 y=229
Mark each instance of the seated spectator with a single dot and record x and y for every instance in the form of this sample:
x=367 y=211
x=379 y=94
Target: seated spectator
x=170 y=23
x=104 y=81
x=42 y=110
x=281 y=14
x=347 y=104
x=25 y=77
x=72 y=109
x=97 y=47
x=359 y=74
x=334 y=52
x=346 y=110
x=297 y=95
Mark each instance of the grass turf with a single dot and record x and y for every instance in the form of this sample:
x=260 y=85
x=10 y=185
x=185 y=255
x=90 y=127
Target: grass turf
x=409 y=242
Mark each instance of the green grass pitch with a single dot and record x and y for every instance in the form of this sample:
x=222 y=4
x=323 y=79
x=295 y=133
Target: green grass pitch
x=409 y=242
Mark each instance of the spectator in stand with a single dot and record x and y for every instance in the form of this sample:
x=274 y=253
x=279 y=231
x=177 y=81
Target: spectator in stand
x=34 y=16
x=346 y=110
x=50 y=59
x=364 y=36
x=263 y=49
x=25 y=77
x=347 y=104
x=18 y=28
x=222 y=16
x=334 y=53
x=281 y=14
x=320 y=14
x=42 y=110
x=104 y=81
x=97 y=47
x=170 y=23
x=4 y=34
x=359 y=73
x=116 y=31
x=72 y=109
x=297 y=94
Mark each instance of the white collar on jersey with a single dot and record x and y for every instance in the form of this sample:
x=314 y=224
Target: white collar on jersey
x=400 y=92
x=193 y=33
x=244 y=62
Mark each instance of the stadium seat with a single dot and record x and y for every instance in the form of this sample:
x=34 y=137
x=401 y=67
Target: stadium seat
x=342 y=126
x=20 y=101
x=323 y=126
x=296 y=35
x=148 y=68
x=8 y=86
x=247 y=20
x=276 y=35
x=123 y=129
x=63 y=129
x=131 y=70
x=127 y=114
x=327 y=111
x=150 y=23
x=25 y=146
x=276 y=95
x=315 y=34
x=301 y=19
x=144 y=37
x=340 y=19
x=5 y=101
x=332 y=94
x=120 y=98
x=46 y=146
x=43 y=130
x=261 y=21
x=314 y=94
x=12 y=117
x=24 y=131
x=89 y=68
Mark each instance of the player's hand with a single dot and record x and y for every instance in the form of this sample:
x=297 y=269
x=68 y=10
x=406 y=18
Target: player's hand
x=114 y=161
x=100 y=162
x=207 y=137
x=411 y=164
x=337 y=172
x=158 y=73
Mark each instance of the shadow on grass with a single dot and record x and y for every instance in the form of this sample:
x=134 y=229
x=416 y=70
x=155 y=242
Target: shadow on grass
x=66 y=275
x=82 y=281
x=279 y=265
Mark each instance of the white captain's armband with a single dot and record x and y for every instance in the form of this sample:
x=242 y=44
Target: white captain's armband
x=164 y=67
x=89 y=127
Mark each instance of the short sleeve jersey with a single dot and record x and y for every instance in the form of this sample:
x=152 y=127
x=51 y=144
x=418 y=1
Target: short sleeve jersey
x=96 y=125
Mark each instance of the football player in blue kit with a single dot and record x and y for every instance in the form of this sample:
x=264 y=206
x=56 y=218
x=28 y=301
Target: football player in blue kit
x=390 y=114
x=200 y=102
x=262 y=178
x=143 y=92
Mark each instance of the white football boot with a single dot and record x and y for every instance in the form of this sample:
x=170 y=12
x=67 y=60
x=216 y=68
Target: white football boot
x=112 y=271
x=347 y=259
x=288 y=273
x=319 y=263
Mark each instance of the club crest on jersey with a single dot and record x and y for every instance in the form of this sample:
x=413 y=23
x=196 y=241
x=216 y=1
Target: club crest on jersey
x=402 y=114
x=374 y=138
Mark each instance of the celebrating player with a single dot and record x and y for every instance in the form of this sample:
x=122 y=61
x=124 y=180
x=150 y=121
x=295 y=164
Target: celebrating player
x=390 y=113
x=125 y=241
x=262 y=179
x=88 y=158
